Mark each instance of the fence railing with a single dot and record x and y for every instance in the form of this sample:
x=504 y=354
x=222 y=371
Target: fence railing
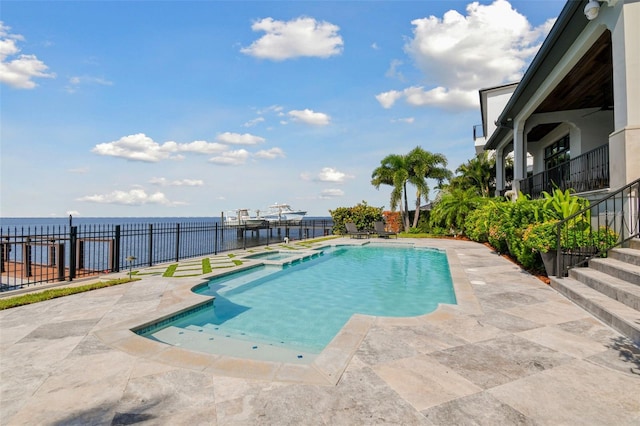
x=591 y=232
x=586 y=172
x=36 y=255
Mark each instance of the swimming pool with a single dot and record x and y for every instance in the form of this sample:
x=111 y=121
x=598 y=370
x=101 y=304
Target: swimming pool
x=296 y=310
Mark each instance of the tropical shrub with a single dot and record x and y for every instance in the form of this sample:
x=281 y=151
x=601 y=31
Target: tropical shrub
x=361 y=214
x=393 y=220
x=452 y=208
x=562 y=205
x=542 y=236
x=476 y=225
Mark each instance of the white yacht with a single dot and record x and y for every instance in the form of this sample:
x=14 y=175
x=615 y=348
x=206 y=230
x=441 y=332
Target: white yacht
x=242 y=217
x=284 y=213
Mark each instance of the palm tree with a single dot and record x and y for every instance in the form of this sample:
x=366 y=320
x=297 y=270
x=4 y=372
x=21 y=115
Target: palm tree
x=414 y=168
x=480 y=173
x=425 y=165
x=393 y=171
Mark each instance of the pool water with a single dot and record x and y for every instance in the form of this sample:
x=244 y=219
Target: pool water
x=304 y=305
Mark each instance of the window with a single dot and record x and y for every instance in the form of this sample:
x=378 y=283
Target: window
x=557 y=153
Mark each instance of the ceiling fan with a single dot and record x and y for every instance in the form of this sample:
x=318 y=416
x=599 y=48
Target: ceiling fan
x=602 y=108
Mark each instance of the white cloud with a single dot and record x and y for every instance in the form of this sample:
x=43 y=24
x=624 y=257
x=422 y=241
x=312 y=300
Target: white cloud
x=198 y=147
x=328 y=174
x=393 y=72
x=387 y=99
x=20 y=71
x=490 y=45
x=441 y=97
x=73 y=213
x=140 y=147
x=299 y=37
x=231 y=158
x=408 y=120
x=75 y=82
x=239 y=139
x=310 y=117
x=181 y=182
x=133 y=197
x=331 y=193
x=254 y=122
x=270 y=154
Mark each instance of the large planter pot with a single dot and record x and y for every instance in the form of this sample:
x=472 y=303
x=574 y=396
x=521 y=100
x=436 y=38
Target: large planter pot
x=568 y=259
x=549 y=260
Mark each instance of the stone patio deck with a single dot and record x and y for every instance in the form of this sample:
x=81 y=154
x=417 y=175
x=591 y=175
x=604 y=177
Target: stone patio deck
x=513 y=351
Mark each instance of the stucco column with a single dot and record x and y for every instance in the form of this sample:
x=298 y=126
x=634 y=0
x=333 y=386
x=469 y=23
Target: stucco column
x=624 y=142
x=500 y=172
x=519 y=154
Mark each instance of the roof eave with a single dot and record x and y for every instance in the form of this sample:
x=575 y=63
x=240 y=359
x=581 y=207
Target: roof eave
x=563 y=34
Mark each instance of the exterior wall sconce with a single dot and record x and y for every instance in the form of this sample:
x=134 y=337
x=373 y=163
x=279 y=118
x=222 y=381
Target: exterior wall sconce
x=592 y=8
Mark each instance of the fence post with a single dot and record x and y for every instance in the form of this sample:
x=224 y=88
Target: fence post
x=3 y=247
x=80 y=261
x=61 y=269
x=26 y=257
x=73 y=250
x=116 y=250
x=215 y=240
x=151 y=244
x=177 y=242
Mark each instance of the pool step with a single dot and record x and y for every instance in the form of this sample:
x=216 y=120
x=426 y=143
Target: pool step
x=192 y=338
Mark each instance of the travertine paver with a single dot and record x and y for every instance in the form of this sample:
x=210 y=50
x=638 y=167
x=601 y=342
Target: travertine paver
x=513 y=351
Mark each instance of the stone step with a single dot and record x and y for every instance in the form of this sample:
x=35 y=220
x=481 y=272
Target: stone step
x=617 y=289
x=611 y=312
x=627 y=255
x=634 y=243
x=617 y=269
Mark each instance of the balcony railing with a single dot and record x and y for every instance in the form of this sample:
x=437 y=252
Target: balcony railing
x=586 y=172
x=478 y=132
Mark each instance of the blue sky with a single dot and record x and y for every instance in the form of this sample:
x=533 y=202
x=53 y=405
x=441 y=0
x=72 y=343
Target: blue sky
x=181 y=108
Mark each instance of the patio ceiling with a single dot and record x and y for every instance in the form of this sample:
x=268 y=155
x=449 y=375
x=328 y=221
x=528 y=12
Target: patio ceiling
x=588 y=85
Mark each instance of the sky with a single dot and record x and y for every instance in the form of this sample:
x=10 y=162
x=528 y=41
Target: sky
x=194 y=108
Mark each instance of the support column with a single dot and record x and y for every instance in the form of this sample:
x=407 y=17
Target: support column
x=624 y=142
x=500 y=172
x=519 y=154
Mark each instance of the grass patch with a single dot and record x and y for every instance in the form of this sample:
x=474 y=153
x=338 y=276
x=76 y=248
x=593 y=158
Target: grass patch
x=27 y=299
x=206 y=265
x=170 y=271
x=237 y=262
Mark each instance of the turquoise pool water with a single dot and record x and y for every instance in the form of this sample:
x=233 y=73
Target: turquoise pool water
x=304 y=305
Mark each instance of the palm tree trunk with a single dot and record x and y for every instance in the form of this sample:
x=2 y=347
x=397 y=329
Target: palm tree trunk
x=417 y=213
x=406 y=209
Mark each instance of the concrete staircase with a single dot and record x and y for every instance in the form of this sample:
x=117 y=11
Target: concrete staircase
x=609 y=289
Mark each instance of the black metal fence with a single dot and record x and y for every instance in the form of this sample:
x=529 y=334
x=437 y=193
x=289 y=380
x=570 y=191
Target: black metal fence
x=35 y=255
x=610 y=222
x=586 y=172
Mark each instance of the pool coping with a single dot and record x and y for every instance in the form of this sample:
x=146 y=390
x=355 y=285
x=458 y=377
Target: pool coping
x=326 y=369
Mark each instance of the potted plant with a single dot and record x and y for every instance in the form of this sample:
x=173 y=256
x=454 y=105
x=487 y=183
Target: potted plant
x=543 y=238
